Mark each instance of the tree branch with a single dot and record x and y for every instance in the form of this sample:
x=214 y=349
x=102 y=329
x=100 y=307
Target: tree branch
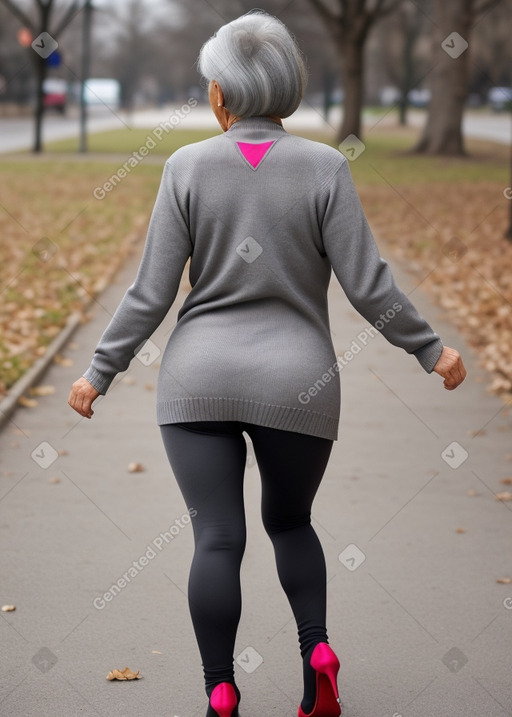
x=361 y=7
x=324 y=11
x=381 y=9
x=15 y=10
x=72 y=11
x=485 y=5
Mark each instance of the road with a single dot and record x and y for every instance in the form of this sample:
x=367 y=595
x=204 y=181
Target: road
x=16 y=134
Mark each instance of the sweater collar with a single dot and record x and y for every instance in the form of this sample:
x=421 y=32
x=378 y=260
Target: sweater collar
x=255 y=128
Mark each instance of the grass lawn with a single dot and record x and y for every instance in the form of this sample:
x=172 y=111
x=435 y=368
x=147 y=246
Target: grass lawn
x=385 y=156
x=60 y=246
x=126 y=141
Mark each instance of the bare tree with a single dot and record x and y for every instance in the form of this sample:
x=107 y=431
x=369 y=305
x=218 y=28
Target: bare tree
x=491 y=50
x=14 y=76
x=453 y=23
x=136 y=44
x=398 y=42
x=44 y=12
x=349 y=23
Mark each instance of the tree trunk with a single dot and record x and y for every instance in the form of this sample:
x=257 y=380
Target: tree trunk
x=411 y=29
x=449 y=79
x=352 y=58
x=328 y=86
x=508 y=233
x=45 y=11
x=403 y=102
x=41 y=72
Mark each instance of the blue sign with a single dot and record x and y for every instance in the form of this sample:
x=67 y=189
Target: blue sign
x=54 y=59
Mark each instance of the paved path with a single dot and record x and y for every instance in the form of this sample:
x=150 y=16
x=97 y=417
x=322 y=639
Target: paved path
x=420 y=625
x=16 y=134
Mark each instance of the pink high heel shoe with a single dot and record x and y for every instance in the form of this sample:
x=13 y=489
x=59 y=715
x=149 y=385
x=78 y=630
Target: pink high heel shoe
x=326 y=665
x=223 y=701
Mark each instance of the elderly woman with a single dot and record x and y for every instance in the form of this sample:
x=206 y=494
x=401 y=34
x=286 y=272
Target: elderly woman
x=263 y=215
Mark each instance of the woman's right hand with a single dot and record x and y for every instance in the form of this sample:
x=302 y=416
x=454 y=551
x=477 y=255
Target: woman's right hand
x=81 y=397
x=449 y=365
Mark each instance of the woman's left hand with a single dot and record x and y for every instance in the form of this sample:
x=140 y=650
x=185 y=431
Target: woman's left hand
x=81 y=397
x=451 y=368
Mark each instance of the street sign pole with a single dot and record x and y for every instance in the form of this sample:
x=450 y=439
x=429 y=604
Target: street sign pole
x=86 y=57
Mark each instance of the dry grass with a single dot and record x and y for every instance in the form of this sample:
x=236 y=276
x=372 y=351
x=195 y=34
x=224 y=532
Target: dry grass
x=445 y=221
x=47 y=206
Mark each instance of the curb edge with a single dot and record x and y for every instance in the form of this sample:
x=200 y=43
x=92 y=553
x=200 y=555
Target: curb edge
x=10 y=402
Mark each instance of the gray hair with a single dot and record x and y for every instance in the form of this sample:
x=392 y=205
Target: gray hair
x=258 y=65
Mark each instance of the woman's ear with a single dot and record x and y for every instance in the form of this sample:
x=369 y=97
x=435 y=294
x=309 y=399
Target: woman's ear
x=219 y=94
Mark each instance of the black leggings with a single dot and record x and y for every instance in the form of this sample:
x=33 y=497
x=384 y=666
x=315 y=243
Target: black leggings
x=208 y=460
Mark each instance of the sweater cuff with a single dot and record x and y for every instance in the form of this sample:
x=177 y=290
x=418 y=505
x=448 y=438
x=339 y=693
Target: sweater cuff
x=100 y=381
x=429 y=354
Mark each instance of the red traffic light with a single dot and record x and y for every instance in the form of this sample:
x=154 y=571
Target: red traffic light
x=24 y=37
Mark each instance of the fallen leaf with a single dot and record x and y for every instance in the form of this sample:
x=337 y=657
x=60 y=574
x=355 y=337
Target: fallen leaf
x=472 y=492
x=27 y=402
x=504 y=581
x=136 y=468
x=8 y=608
x=62 y=452
x=63 y=360
x=460 y=530
x=54 y=479
x=506 y=481
x=504 y=495
x=125 y=674
x=42 y=390
x=477 y=432
x=129 y=380
x=149 y=386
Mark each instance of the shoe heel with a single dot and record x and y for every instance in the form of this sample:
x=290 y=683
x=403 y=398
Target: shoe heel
x=324 y=661
x=223 y=700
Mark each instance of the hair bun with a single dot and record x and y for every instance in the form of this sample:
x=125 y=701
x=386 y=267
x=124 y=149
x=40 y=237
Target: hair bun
x=248 y=42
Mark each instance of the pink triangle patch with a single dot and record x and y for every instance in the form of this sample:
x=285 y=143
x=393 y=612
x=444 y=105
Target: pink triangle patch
x=254 y=153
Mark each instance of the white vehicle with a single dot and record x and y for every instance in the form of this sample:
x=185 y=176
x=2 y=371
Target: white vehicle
x=103 y=91
x=389 y=96
x=419 y=98
x=499 y=97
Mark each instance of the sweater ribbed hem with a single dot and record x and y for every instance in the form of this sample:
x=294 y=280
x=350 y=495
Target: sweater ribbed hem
x=287 y=418
x=100 y=381
x=429 y=354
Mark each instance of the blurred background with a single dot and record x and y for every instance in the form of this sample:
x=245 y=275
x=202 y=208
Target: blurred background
x=372 y=54
x=95 y=94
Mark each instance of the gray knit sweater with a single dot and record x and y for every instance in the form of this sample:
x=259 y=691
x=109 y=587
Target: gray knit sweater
x=264 y=215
